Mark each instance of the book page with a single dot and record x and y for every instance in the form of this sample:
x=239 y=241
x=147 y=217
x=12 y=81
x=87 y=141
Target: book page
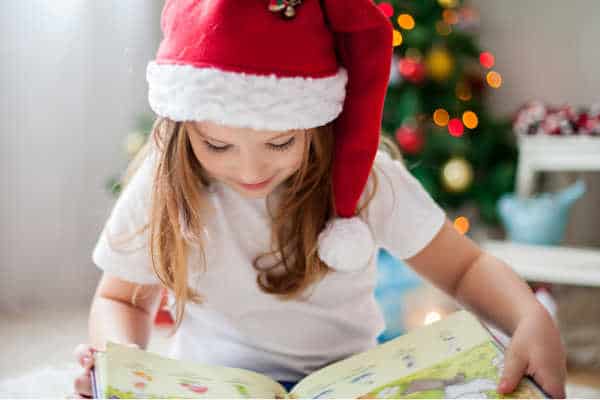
x=452 y=358
x=133 y=373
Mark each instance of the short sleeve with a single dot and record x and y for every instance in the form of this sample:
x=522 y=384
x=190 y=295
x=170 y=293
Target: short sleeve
x=402 y=215
x=119 y=250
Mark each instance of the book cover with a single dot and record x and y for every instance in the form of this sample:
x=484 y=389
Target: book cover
x=456 y=357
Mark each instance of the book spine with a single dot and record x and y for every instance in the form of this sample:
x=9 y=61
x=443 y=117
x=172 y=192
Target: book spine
x=95 y=390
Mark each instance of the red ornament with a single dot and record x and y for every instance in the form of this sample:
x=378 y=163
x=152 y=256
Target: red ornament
x=387 y=9
x=411 y=70
x=163 y=316
x=587 y=125
x=487 y=59
x=551 y=124
x=455 y=127
x=583 y=120
x=409 y=139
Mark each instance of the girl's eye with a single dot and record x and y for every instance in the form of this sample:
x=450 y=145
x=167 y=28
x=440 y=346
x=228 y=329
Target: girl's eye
x=218 y=149
x=276 y=147
x=283 y=146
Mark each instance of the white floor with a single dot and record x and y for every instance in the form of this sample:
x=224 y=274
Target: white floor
x=37 y=351
x=37 y=361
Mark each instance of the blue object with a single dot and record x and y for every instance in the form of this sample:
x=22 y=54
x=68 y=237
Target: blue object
x=288 y=385
x=541 y=219
x=394 y=279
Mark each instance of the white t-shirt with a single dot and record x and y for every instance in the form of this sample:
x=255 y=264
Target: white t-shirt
x=241 y=326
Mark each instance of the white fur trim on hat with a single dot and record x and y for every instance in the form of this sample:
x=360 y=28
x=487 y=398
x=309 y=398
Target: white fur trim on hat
x=346 y=244
x=188 y=93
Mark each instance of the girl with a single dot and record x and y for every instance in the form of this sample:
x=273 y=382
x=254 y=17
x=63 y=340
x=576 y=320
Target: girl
x=257 y=205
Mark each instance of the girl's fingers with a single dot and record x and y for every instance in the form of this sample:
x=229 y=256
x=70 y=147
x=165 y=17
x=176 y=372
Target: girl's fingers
x=83 y=386
x=515 y=366
x=84 y=354
x=552 y=380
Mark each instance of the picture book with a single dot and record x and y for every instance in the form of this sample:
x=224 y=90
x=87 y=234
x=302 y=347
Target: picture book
x=456 y=357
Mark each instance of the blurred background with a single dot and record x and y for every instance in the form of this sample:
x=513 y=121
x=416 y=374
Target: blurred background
x=472 y=84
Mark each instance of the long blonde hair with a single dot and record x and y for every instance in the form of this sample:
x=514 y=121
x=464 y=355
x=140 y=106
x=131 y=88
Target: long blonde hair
x=179 y=206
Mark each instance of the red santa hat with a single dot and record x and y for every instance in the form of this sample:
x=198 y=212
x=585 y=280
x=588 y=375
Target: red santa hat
x=281 y=65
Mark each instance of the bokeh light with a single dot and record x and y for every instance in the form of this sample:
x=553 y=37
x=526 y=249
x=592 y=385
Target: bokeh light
x=441 y=117
x=462 y=225
x=406 y=21
x=455 y=127
x=448 y=3
x=469 y=118
x=487 y=59
x=463 y=91
x=494 y=79
x=397 y=39
x=432 y=317
x=387 y=9
x=450 y=17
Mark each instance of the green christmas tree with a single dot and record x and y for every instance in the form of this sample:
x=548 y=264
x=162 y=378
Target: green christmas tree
x=435 y=106
x=131 y=145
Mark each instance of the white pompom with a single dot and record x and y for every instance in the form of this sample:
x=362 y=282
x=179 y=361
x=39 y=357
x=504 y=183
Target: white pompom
x=346 y=244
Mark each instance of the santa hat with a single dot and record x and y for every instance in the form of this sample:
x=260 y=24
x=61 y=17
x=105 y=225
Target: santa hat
x=281 y=65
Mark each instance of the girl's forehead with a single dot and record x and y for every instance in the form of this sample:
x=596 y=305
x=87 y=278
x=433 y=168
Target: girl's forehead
x=227 y=132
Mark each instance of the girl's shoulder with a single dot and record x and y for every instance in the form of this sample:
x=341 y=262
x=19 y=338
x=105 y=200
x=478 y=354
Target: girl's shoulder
x=392 y=173
x=402 y=215
x=394 y=189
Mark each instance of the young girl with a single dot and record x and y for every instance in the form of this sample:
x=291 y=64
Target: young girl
x=260 y=201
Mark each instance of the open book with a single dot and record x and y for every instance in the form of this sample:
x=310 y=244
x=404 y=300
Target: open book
x=452 y=358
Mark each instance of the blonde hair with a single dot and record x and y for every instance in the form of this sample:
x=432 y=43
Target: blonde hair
x=179 y=207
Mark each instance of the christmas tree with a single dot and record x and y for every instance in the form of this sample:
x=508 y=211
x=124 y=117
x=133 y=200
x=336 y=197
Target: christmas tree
x=435 y=107
x=132 y=144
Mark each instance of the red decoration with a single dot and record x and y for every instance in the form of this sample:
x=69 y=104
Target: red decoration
x=455 y=127
x=409 y=139
x=163 y=316
x=387 y=9
x=588 y=125
x=487 y=59
x=411 y=70
x=536 y=118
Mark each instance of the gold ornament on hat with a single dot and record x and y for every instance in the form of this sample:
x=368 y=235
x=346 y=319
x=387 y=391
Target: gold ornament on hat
x=285 y=7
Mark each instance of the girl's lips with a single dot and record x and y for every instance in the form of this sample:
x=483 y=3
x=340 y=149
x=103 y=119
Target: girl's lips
x=255 y=186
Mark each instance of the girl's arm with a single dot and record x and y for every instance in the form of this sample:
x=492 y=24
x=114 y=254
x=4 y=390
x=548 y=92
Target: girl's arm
x=489 y=287
x=122 y=312
x=454 y=263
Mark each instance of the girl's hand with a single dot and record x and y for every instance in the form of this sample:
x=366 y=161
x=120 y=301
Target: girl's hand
x=536 y=350
x=83 y=383
x=85 y=357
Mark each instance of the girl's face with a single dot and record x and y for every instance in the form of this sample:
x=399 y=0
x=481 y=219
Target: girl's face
x=252 y=162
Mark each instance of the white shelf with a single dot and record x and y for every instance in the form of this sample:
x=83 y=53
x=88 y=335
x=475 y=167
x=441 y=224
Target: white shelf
x=554 y=264
x=554 y=153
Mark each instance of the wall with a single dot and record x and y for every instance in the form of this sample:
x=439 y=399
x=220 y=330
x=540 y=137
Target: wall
x=548 y=50
x=72 y=83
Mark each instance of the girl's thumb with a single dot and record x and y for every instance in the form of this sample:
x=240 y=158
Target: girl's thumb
x=515 y=366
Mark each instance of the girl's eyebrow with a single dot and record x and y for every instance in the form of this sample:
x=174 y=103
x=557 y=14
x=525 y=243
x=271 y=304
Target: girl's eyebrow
x=287 y=133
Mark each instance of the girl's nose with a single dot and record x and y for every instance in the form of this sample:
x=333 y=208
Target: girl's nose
x=252 y=170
